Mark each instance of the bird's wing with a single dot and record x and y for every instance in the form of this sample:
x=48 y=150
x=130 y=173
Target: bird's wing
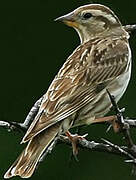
x=77 y=81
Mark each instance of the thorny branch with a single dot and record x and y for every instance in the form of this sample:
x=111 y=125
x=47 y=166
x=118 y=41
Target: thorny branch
x=124 y=124
x=130 y=28
x=128 y=151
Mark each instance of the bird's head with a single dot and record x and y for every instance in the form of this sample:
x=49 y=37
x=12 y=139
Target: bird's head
x=92 y=20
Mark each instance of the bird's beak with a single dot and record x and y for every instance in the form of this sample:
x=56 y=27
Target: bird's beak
x=68 y=19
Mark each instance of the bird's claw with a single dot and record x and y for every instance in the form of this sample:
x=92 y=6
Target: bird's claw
x=74 y=138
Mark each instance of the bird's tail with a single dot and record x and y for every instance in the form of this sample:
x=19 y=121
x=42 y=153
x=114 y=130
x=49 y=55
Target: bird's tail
x=26 y=163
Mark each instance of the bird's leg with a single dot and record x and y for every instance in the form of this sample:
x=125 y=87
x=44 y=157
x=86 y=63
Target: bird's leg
x=112 y=119
x=74 y=138
x=105 y=119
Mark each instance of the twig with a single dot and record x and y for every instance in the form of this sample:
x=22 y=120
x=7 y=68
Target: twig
x=106 y=147
x=120 y=149
x=130 y=28
x=128 y=151
x=15 y=126
x=124 y=127
x=131 y=122
x=31 y=115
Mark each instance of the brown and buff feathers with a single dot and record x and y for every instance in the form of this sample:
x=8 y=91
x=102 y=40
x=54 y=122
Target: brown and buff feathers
x=97 y=61
x=26 y=163
x=76 y=84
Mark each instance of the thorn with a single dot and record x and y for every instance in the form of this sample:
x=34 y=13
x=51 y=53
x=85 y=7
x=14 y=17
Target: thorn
x=123 y=138
x=109 y=128
x=84 y=135
x=113 y=102
x=129 y=161
x=75 y=157
x=133 y=161
x=122 y=110
x=119 y=149
x=106 y=141
x=133 y=172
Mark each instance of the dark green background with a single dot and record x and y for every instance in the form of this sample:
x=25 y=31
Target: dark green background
x=32 y=49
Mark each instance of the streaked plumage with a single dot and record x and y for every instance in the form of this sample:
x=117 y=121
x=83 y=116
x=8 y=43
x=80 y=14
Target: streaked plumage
x=78 y=94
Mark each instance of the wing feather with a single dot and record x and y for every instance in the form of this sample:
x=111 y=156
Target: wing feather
x=75 y=85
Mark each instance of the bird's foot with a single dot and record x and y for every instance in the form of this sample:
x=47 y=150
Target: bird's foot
x=111 y=119
x=74 y=139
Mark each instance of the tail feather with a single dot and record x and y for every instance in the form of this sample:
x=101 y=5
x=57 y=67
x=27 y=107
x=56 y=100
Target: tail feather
x=26 y=163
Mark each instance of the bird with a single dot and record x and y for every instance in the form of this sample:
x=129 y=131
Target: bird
x=77 y=95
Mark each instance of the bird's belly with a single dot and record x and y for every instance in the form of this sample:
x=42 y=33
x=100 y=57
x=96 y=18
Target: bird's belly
x=101 y=104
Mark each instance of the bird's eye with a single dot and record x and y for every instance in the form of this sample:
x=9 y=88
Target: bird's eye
x=87 y=15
